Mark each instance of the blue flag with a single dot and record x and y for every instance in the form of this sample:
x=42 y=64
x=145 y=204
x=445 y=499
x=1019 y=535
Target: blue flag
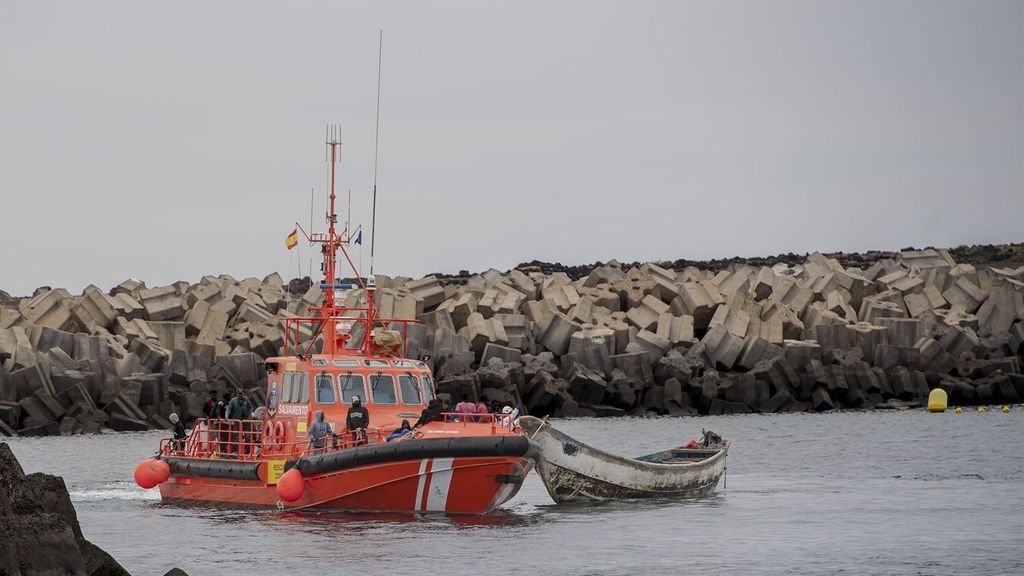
x=359 y=238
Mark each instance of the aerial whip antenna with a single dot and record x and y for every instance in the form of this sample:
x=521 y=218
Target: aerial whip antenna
x=376 y=147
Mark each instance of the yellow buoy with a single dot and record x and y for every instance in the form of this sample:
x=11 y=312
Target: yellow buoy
x=937 y=400
x=981 y=409
x=1006 y=409
x=958 y=410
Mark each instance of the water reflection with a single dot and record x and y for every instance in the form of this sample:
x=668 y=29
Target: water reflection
x=352 y=520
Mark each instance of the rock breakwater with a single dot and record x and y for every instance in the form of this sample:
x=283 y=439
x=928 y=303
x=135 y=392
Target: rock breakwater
x=815 y=333
x=40 y=529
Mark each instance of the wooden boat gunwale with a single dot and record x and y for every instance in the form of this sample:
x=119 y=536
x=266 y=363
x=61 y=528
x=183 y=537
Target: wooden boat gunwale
x=567 y=478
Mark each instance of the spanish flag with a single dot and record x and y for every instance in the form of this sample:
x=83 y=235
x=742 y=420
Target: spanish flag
x=292 y=240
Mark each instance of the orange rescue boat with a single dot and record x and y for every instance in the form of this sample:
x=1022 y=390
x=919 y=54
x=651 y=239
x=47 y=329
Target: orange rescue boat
x=451 y=464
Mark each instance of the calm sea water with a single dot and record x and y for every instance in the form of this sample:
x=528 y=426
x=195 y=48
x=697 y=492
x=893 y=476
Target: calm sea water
x=847 y=493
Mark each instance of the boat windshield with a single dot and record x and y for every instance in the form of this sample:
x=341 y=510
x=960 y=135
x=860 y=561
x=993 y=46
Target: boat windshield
x=324 y=389
x=409 y=388
x=383 y=388
x=351 y=385
x=295 y=387
x=428 y=390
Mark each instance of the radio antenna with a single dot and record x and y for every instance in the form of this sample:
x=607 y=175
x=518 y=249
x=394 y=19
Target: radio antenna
x=376 y=147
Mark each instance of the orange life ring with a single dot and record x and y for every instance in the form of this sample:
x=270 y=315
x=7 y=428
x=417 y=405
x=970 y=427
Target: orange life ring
x=268 y=430
x=279 y=433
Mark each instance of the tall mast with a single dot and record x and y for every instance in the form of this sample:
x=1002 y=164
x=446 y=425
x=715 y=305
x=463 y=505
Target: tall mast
x=331 y=247
x=376 y=147
x=330 y=243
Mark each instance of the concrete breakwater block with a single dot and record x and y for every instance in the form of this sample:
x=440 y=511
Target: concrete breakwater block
x=647 y=339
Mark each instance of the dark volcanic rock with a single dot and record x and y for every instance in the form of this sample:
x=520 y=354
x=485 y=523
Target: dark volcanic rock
x=40 y=529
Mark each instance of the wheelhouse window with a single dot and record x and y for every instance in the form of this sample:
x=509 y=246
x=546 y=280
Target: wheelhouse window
x=294 y=387
x=382 y=386
x=303 y=387
x=286 y=386
x=428 y=389
x=409 y=388
x=324 y=385
x=351 y=385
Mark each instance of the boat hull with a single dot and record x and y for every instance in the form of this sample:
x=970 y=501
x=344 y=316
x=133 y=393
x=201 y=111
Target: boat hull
x=575 y=472
x=460 y=475
x=468 y=485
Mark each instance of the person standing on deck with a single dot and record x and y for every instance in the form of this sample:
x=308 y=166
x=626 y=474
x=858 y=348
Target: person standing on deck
x=210 y=406
x=481 y=409
x=238 y=409
x=358 y=420
x=319 y=431
x=464 y=408
x=179 y=432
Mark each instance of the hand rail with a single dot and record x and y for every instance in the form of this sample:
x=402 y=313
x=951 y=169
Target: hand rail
x=247 y=440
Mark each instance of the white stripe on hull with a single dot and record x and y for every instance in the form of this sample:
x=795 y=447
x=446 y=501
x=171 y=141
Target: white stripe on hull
x=419 y=486
x=440 y=480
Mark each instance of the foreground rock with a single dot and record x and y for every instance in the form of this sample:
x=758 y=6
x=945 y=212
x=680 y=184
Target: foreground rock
x=40 y=530
x=790 y=334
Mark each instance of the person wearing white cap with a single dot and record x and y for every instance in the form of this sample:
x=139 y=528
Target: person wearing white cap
x=510 y=417
x=179 y=432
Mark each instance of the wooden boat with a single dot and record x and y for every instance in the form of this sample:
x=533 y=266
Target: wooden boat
x=337 y=352
x=573 y=471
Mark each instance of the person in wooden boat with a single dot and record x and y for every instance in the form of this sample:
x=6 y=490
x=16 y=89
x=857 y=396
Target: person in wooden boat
x=358 y=420
x=710 y=439
x=319 y=431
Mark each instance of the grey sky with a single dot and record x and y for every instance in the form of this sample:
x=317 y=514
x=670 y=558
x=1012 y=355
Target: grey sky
x=175 y=139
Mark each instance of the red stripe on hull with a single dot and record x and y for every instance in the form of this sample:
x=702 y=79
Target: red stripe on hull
x=476 y=485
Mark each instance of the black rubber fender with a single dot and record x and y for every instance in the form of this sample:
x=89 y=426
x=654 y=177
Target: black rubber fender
x=214 y=468
x=479 y=446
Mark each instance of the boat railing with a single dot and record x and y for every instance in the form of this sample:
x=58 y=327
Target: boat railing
x=495 y=421
x=245 y=440
x=217 y=438
x=342 y=441
x=293 y=339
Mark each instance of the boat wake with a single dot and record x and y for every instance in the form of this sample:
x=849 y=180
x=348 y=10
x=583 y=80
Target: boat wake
x=114 y=491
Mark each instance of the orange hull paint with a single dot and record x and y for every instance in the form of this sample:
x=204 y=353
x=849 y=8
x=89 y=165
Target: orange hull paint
x=466 y=485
